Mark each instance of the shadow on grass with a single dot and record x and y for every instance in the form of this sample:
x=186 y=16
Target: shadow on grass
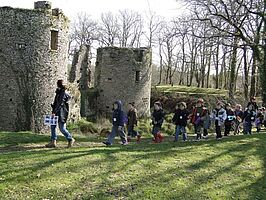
x=157 y=153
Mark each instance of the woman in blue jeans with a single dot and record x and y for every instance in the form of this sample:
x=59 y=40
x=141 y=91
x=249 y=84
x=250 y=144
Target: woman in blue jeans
x=60 y=108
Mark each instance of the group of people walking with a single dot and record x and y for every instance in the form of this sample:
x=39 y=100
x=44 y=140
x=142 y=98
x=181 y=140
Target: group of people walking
x=223 y=115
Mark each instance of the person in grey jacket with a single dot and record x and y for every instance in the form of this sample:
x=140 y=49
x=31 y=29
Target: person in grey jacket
x=60 y=108
x=218 y=116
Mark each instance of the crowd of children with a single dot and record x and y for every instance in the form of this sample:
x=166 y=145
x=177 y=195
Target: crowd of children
x=223 y=117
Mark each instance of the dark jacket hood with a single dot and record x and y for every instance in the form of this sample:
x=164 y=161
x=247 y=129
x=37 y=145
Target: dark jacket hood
x=119 y=104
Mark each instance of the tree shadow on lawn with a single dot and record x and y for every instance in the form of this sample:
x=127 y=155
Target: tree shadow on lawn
x=145 y=151
x=165 y=178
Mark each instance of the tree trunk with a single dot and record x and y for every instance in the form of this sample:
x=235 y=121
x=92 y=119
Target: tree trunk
x=233 y=71
x=245 y=74
x=253 y=77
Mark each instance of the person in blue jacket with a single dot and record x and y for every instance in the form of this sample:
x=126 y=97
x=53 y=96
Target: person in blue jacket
x=118 y=120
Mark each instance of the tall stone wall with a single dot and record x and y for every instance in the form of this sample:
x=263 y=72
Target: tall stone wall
x=123 y=74
x=33 y=56
x=81 y=79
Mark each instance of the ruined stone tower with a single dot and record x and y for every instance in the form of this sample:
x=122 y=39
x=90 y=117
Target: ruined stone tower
x=123 y=74
x=33 y=56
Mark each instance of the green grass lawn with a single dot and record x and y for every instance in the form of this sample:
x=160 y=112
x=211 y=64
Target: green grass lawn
x=233 y=168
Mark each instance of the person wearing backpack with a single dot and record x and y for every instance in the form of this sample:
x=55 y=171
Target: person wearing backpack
x=119 y=120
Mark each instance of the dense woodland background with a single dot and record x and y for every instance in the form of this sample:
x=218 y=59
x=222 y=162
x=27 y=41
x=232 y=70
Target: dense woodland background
x=212 y=44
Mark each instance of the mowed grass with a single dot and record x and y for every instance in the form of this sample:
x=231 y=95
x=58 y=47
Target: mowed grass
x=233 y=168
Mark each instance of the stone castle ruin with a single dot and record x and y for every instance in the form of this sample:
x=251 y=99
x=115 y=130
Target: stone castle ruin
x=122 y=74
x=33 y=56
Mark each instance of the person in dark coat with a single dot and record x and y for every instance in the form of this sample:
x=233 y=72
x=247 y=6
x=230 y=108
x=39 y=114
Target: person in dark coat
x=180 y=120
x=132 y=121
x=230 y=117
x=119 y=121
x=259 y=119
x=253 y=103
x=60 y=108
x=248 y=118
x=198 y=116
x=157 y=122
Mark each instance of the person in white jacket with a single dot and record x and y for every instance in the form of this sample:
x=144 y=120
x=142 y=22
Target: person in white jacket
x=218 y=116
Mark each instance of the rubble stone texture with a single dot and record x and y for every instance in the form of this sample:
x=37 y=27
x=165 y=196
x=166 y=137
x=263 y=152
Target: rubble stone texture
x=33 y=56
x=123 y=74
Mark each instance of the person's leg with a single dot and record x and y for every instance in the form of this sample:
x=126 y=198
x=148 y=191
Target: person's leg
x=198 y=132
x=177 y=132
x=226 y=129
x=64 y=131
x=155 y=131
x=122 y=135
x=52 y=143
x=218 y=132
x=184 y=133
x=53 y=133
x=112 y=135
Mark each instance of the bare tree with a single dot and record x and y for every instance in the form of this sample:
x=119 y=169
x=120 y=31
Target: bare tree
x=109 y=29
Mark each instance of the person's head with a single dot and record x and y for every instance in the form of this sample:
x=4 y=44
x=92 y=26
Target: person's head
x=227 y=106
x=182 y=105
x=131 y=105
x=60 y=83
x=219 y=105
x=117 y=105
x=238 y=107
x=253 y=99
x=157 y=105
x=199 y=102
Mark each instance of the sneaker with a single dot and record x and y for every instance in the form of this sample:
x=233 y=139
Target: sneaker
x=107 y=143
x=51 y=144
x=70 y=143
x=125 y=143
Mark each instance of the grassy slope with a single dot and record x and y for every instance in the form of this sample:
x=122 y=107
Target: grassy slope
x=230 y=169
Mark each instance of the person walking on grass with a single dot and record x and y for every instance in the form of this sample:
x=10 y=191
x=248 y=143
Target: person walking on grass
x=132 y=121
x=60 y=108
x=198 y=117
x=206 y=124
x=118 y=120
x=180 y=120
x=157 y=122
x=218 y=116
x=248 y=118
x=230 y=117
x=239 y=115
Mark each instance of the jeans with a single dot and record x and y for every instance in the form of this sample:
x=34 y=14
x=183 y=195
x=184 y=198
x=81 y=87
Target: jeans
x=247 y=126
x=63 y=130
x=116 y=132
x=131 y=131
x=180 y=129
x=155 y=130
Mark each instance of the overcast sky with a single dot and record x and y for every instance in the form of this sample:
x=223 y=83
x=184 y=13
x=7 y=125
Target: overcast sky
x=165 y=8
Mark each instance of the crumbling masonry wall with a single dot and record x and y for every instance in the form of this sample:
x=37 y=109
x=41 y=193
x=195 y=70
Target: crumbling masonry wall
x=81 y=79
x=33 y=56
x=123 y=74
